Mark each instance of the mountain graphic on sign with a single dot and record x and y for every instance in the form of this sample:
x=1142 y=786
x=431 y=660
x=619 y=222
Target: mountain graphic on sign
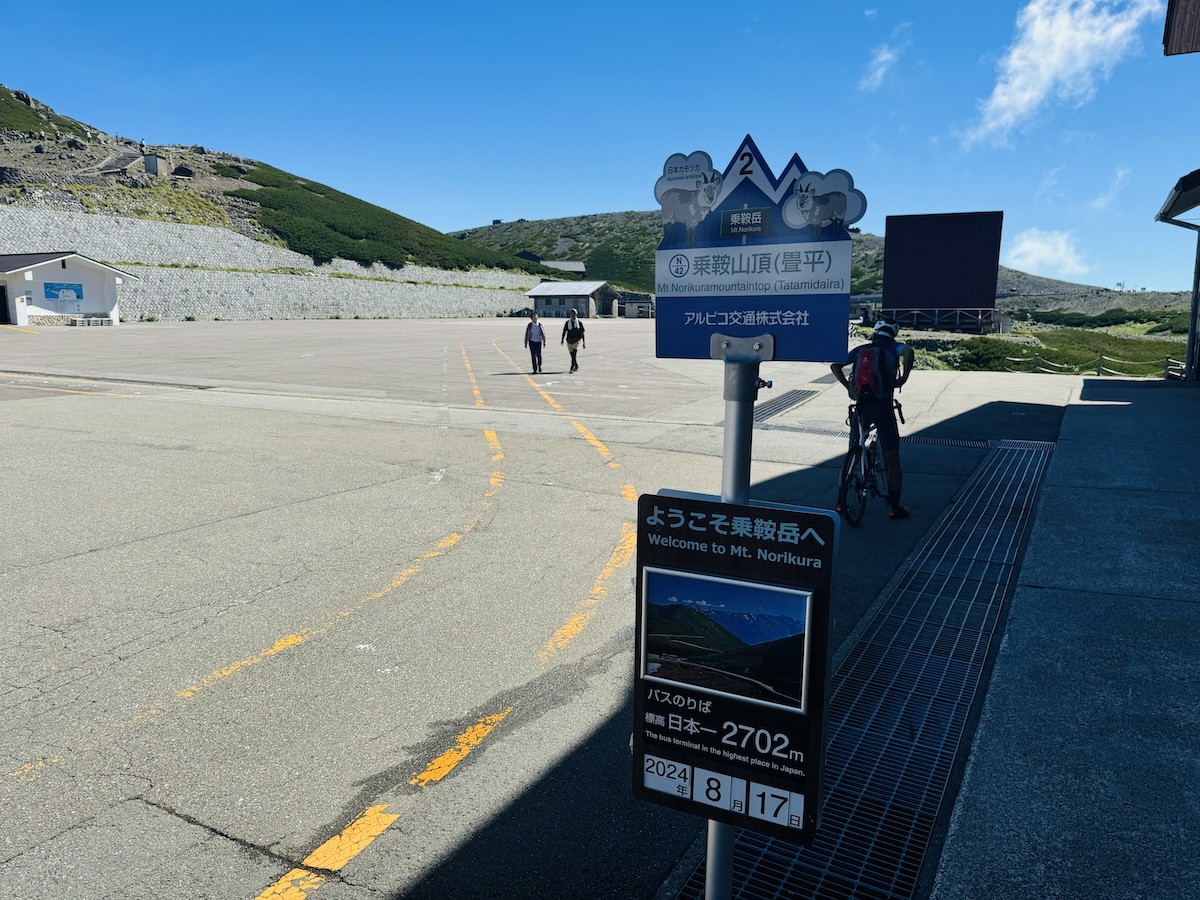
x=756 y=655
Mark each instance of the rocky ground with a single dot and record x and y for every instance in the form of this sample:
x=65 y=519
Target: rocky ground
x=107 y=175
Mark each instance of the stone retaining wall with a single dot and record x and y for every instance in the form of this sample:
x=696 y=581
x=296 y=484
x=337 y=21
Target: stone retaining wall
x=156 y=253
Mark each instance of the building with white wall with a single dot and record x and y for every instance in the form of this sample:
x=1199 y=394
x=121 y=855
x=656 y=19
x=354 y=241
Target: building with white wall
x=57 y=288
x=556 y=299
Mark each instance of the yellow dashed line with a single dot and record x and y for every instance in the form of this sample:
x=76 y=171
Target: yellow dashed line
x=295 y=885
x=467 y=741
x=284 y=643
x=595 y=442
x=620 y=557
x=331 y=856
x=604 y=452
x=629 y=492
x=494 y=444
x=341 y=848
x=34 y=770
x=471 y=375
x=15 y=328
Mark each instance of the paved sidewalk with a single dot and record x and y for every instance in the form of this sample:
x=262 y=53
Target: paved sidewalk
x=1084 y=777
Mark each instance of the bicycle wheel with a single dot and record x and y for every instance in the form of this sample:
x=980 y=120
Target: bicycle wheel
x=876 y=468
x=853 y=487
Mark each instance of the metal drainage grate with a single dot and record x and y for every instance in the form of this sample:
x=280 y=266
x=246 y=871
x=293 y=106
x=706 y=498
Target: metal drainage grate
x=777 y=405
x=915 y=439
x=900 y=701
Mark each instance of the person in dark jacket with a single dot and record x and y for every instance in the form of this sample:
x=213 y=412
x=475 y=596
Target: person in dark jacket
x=573 y=337
x=535 y=337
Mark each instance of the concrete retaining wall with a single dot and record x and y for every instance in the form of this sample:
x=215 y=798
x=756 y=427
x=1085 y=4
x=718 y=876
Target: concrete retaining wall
x=158 y=252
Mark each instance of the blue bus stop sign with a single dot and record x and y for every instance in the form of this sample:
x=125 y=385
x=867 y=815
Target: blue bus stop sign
x=744 y=253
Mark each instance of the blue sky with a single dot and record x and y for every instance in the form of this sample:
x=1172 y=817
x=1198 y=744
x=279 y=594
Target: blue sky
x=1062 y=113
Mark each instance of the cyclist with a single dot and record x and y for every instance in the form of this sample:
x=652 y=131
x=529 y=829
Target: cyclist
x=891 y=365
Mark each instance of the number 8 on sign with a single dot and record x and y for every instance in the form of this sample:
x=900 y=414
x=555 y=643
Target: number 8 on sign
x=719 y=790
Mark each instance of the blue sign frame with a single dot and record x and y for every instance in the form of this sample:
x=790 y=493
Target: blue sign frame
x=744 y=253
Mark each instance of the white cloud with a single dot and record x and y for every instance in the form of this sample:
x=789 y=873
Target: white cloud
x=1046 y=253
x=870 y=13
x=1062 y=47
x=883 y=58
x=1050 y=179
x=1102 y=201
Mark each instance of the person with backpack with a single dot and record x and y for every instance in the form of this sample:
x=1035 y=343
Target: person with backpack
x=535 y=336
x=876 y=370
x=572 y=336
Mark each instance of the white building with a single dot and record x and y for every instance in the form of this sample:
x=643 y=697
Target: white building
x=556 y=299
x=57 y=289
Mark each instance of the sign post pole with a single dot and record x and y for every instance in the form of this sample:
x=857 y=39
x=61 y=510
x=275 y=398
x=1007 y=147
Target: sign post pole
x=732 y=625
x=742 y=357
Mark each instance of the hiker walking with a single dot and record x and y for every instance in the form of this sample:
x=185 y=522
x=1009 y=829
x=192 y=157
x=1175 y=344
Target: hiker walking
x=535 y=336
x=573 y=337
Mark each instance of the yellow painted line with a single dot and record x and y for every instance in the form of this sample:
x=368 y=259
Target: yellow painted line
x=620 y=558
x=295 y=885
x=53 y=390
x=494 y=444
x=595 y=442
x=284 y=643
x=467 y=741
x=629 y=492
x=337 y=852
x=555 y=405
x=34 y=770
x=471 y=375
x=15 y=328
x=355 y=837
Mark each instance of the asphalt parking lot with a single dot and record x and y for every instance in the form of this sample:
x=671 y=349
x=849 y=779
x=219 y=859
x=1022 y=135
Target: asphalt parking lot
x=350 y=602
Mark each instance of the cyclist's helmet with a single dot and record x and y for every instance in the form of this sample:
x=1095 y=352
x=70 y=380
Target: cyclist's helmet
x=884 y=328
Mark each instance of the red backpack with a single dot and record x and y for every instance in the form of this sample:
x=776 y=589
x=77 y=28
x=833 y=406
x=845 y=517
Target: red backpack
x=867 y=378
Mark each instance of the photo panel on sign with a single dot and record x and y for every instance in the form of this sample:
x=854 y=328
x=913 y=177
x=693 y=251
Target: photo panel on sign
x=727 y=637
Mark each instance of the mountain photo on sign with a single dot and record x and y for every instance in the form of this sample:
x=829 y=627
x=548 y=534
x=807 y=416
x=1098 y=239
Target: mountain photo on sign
x=725 y=636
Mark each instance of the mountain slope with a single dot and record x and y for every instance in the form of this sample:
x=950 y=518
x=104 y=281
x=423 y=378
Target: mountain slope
x=51 y=161
x=632 y=237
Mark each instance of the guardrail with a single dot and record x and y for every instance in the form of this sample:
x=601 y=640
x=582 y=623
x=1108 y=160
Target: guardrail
x=1167 y=367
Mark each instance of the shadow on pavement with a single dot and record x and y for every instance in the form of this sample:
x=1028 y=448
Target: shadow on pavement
x=579 y=832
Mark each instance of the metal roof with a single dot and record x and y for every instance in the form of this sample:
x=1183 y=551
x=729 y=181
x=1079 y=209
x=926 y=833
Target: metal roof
x=16 y=262
x=567 y=288
x=565 y=265
x=1184 y=197
x=1181 y=34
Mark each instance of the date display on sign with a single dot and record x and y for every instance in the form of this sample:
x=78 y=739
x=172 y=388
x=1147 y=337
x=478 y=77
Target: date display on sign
x=759 y=801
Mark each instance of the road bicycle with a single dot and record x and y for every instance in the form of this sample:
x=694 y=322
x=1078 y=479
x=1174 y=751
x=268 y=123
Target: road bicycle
x=864 y=471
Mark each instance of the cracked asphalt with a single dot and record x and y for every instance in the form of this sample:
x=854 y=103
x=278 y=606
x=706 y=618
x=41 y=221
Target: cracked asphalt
x=344 y=609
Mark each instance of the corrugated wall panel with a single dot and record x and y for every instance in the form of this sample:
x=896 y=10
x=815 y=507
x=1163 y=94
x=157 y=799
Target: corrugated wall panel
x=942 y=261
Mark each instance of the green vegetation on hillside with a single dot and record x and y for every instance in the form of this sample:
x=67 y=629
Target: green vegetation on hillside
x=156 y=203
x=1171 y=321
x=16 y=116
x=609 y=263
x=619 y=247
x=326 y=224
x=1065 y=350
